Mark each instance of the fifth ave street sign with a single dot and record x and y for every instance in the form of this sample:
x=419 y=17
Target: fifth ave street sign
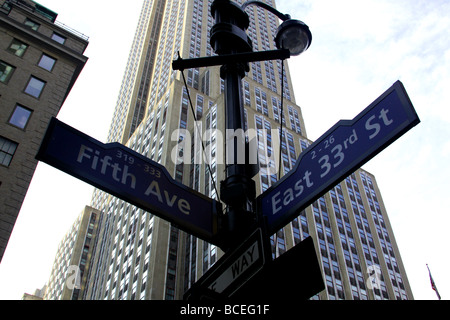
x=129 y=176
x=338 y=153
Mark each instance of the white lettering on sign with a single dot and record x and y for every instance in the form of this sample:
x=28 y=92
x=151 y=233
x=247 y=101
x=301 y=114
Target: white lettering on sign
x=119 y=172
x=376 y=126
x=166 y=198
x=289 y=195
x=329 y=154
x=239 y=266
x=106 y=166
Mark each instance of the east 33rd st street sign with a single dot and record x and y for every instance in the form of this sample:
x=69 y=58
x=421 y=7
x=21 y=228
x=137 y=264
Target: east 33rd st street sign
x=338 y=153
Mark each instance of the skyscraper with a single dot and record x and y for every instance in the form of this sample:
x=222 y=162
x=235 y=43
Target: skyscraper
x=140 y=256
x=72 y=258
x=40 y=60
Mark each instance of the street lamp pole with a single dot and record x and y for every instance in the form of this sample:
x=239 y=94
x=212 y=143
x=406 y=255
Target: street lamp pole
x=234 y=51
x=238 y=190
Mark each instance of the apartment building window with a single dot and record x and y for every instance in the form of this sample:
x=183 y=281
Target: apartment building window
x=6 y=71
x=58 y=38
x=20 y=117
x=46 y=62
x=7 y=150
x=17 y=48
x=32 y=24
x=35 y=87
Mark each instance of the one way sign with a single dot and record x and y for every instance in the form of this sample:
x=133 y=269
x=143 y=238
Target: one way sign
x=232 y=271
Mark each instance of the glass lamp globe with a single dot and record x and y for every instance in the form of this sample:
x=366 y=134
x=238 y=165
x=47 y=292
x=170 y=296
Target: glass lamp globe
x=293 y=35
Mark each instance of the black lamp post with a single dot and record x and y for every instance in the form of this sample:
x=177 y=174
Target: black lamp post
x=238 y=190
x=234 y=51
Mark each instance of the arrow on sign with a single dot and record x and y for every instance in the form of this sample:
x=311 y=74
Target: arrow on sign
x=131 y=177
x=338 y=153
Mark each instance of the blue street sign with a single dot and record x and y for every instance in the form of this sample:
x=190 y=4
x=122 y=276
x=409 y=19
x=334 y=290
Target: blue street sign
x=129 y=176
x=336 y=154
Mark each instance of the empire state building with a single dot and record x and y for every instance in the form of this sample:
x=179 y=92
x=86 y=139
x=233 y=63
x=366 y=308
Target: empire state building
x=140 y=256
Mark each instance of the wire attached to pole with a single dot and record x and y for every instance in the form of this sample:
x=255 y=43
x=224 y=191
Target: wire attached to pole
x=281 y=117
x=198 y=130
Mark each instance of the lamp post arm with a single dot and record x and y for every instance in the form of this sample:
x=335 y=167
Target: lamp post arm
x=245 y=57
x=280 y=15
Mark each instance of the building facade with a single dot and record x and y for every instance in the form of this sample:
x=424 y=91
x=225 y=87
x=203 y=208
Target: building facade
x=38 y=294
x=138 y=255
x=40 y=60
x=73 y=258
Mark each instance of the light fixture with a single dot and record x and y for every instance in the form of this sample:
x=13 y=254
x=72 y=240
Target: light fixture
x=293 y=35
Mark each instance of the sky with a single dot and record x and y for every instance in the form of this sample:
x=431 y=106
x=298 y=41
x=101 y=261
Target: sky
x=359 y=49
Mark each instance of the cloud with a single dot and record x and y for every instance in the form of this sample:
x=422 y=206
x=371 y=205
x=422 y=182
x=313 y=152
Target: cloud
x=359 y=49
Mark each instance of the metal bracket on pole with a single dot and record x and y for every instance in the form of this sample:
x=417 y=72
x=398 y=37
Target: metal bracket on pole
x=182 y=64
